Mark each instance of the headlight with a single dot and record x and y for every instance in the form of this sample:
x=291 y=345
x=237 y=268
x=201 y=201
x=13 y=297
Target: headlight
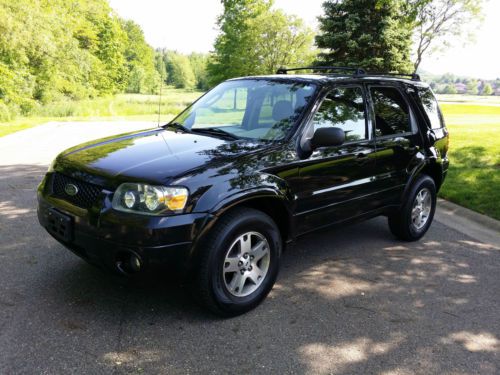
x=150 y=199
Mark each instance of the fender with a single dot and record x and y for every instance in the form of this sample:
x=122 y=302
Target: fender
x=278 y=190
x=253 y=193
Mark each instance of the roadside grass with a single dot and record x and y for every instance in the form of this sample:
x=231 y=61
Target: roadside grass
x=130 y=107
x=473 y=179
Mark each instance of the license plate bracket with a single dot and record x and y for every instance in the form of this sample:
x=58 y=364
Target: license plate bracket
x=60 y=225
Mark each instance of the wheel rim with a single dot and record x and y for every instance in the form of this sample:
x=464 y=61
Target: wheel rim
x=421 y=209
x=246 y=264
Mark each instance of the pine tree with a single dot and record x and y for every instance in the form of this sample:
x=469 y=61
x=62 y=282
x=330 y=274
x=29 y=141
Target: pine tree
x=373 y=34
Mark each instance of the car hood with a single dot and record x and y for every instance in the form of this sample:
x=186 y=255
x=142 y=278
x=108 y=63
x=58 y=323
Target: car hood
x=155 y=155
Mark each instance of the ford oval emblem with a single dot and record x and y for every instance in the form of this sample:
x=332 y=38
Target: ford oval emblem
x=71 y=189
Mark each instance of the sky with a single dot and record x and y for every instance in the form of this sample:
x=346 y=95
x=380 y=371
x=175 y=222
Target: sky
x=189 y=26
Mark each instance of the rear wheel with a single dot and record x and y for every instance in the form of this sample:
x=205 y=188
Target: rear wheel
x=239 y=262
x=415 y=216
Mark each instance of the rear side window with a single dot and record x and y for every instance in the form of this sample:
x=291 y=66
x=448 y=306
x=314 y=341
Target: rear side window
x=343 y=108
x=392 y=115
x=431 y=107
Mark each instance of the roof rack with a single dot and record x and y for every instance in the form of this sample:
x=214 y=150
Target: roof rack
x=356 y=71
x=413 y=76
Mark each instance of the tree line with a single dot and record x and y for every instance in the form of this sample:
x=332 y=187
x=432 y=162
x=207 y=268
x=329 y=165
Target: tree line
x=57 y=49
x=53 y=49
x=452 y=84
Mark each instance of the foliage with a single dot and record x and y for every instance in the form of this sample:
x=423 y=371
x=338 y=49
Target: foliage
x=472 y=88
x=179 y=70
x=76 y=49
x=281 y=40
x=453 y=84
x=255 y=39
x=374 y=34
x=199 y=62
x=143 y=76
x=436 y=21
x=487 y=90
x=117 y=107
x=450 y=89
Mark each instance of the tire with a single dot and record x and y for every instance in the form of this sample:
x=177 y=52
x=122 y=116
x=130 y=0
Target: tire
x=217 y=286
x=402 y=224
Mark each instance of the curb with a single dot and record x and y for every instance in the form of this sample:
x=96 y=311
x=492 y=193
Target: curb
x=466 y=221
x=466 y=213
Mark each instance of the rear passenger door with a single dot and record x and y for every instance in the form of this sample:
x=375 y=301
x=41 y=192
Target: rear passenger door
x=396 y=140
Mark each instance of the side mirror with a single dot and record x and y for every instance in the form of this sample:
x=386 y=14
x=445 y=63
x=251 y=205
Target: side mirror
x=324 y=137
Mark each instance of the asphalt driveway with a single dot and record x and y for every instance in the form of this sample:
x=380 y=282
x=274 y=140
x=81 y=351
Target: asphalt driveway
x=349 y=301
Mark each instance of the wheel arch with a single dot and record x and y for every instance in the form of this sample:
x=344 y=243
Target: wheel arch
x=430 y=168
x=272 y=203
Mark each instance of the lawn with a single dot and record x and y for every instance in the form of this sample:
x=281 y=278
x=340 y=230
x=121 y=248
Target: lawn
x=119 y=107
x=474 y=176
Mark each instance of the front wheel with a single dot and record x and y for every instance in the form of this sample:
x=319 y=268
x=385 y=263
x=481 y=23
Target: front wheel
x=239 y=262
x=415 y=216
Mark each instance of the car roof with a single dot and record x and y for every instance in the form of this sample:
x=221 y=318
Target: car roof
x=325 y=79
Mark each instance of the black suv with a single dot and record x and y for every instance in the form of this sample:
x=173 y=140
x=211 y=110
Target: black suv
x=250 y=166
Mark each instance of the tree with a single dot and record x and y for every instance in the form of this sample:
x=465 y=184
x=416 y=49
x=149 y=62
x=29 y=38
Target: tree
x=142 y=75
x=233 y=47
x=281 y=40
x=487 y=90
x=179 y=70
x=60 y=49
x=436 y=21
x=374 y=34
x=255 y=39
x=472 y=87
x=450 y=89
x=199 y=63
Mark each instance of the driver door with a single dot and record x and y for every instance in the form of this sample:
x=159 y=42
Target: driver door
x=335 y=182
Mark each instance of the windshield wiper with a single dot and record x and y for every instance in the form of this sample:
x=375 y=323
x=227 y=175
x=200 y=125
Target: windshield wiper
x=177 y=126
x=215 y=131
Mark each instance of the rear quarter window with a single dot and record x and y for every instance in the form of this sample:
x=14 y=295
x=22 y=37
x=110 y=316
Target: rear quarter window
x=431 y=107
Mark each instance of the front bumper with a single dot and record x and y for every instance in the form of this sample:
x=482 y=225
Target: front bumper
x=102 y=236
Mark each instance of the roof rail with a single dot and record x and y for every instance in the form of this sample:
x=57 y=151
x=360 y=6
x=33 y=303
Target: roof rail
x=357 y=71
x=413 y=76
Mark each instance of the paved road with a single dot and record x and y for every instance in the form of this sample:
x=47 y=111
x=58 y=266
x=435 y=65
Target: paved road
x=350 y=301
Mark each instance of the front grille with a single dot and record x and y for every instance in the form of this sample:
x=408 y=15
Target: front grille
x=86 y=194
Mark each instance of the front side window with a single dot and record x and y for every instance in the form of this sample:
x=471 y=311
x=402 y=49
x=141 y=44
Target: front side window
x=392 y=114
x=343 y=108
x=431 y=107
x=256 y=109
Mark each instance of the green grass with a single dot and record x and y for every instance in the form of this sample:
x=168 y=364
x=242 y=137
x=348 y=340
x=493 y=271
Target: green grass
x=120 y=107
x=473 y=179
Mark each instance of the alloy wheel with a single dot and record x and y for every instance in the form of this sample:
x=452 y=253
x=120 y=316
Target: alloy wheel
x=246 y=264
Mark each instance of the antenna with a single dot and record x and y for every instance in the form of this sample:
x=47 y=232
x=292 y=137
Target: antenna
x=159 y=100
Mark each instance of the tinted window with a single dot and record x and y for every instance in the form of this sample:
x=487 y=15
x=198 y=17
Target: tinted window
x=392 y=114
x=250 y=109
x=343 y=108
x=431 y=107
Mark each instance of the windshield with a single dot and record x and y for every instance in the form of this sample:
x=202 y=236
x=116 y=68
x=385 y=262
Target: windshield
x=254 y=109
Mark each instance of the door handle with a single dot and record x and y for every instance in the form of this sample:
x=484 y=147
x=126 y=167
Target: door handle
x=362 y=157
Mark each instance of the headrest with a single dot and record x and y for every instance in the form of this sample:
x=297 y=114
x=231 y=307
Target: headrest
x=282 y=109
